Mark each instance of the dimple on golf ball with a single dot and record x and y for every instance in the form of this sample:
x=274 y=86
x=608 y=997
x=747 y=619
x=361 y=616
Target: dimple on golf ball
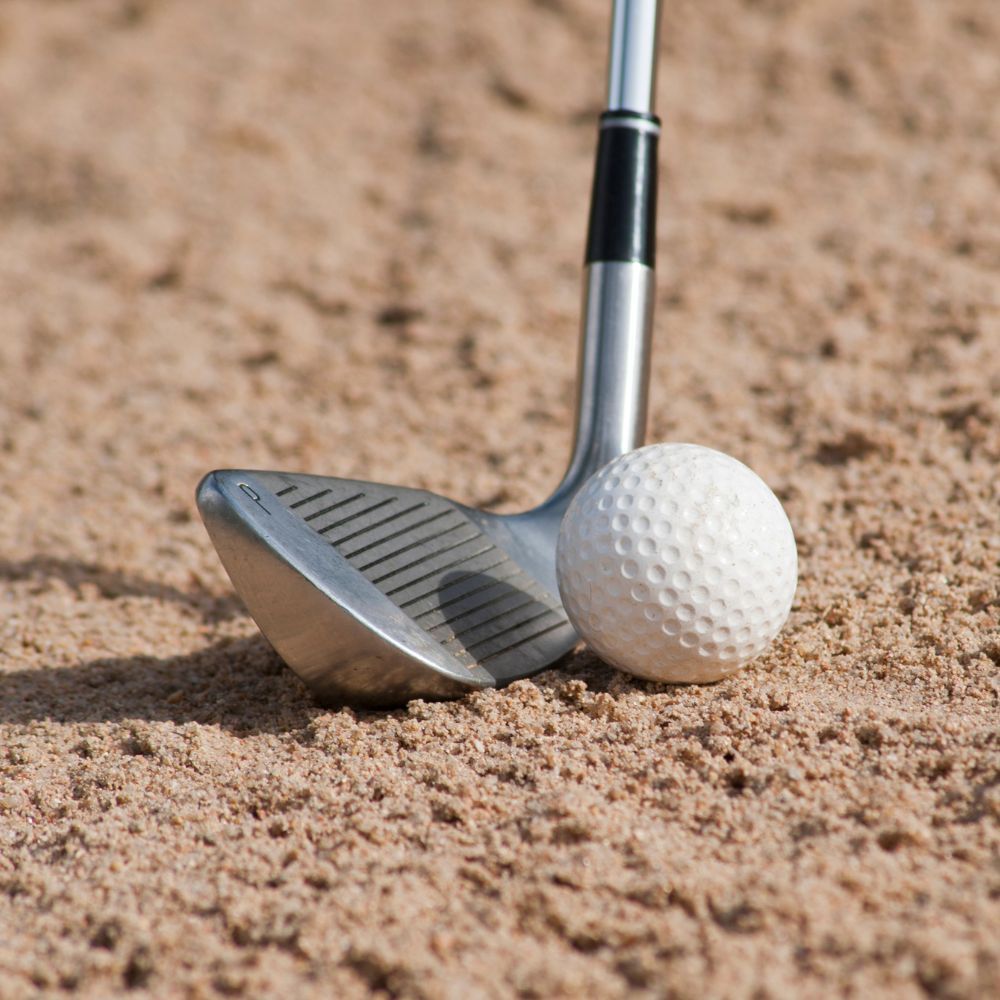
x=677 y=563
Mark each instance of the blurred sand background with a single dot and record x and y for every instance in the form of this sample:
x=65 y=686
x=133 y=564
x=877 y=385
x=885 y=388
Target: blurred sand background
x=345 y=238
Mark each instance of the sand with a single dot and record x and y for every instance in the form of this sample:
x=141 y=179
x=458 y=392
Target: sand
x=345 y=238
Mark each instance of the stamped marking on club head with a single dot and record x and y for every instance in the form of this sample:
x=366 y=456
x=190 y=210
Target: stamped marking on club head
x=254 y=495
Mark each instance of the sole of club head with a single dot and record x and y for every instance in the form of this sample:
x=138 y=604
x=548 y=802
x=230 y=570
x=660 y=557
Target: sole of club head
x=375 y=594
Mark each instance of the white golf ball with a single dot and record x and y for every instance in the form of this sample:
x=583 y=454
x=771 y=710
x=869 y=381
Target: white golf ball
x=677 y=563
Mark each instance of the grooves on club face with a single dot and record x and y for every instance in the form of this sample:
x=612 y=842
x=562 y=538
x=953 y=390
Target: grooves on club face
x=375 y=594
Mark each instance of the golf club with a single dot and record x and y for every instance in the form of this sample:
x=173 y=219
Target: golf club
x=375 y=594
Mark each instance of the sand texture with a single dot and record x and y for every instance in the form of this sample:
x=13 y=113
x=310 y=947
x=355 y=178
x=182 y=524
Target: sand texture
x=345 y=238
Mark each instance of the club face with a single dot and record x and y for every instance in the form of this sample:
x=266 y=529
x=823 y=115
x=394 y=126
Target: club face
x=376 y=594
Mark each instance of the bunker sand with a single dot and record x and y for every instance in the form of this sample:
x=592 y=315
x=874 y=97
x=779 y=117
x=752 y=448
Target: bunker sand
x=346 y=239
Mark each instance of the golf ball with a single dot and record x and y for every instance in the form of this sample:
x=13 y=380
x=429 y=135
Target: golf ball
x=677 y=563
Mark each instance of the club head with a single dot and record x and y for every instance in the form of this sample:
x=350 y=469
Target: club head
x=377 y=594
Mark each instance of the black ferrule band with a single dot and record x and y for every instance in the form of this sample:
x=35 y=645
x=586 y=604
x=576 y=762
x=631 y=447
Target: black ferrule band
x=623 y=202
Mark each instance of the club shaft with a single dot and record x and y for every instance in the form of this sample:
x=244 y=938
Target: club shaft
x=619 y=282
x=632 y=61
